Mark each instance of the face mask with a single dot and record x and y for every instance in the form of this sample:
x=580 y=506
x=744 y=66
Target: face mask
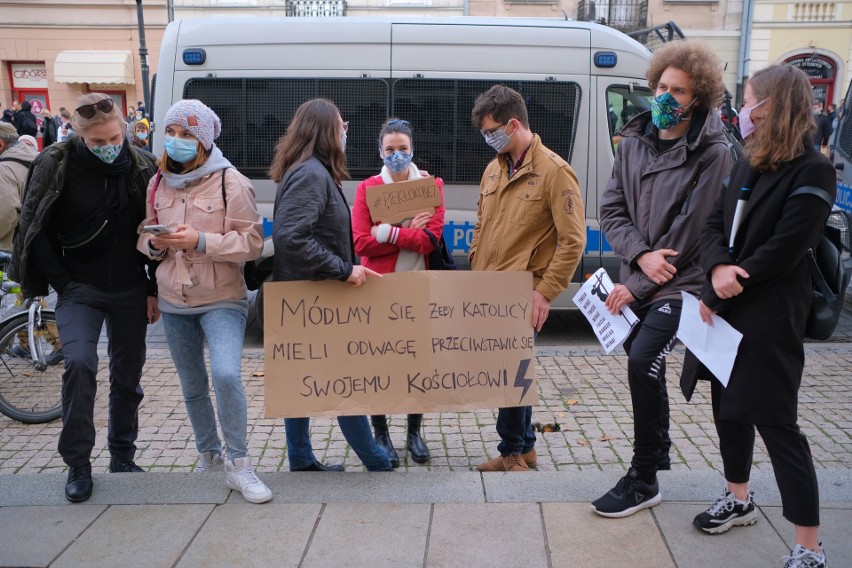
x=398 y=161
x=142 y=135
x=747 y=127
x=666 y=112
x=108 y=153
x=138 y=116
x=497 y=139
x=181 y=150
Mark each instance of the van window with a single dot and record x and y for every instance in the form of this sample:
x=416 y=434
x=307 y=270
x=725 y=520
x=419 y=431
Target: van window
x=844 y=134
x=623 y=103
x=445 y=142
x=255 y=114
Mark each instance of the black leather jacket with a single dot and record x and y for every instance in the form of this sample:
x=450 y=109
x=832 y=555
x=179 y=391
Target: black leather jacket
x=312 y=231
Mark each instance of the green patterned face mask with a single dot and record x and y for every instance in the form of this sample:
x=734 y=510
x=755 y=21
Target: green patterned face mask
x=666 y=112
x=106 y=153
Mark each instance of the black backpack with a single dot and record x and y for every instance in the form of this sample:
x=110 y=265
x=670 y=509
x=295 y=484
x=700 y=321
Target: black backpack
x=828 y=274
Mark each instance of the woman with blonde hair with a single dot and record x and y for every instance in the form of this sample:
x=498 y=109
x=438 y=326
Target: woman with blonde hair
x=313 y=241
x=77 y=232
x=758 y=281
x=209 y=211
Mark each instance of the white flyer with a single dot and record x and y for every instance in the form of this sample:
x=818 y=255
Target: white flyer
x=714 y=345
x=611 y=330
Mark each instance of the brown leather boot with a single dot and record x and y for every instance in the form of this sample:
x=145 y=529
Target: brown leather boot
x=512 y=462
x=530 y=458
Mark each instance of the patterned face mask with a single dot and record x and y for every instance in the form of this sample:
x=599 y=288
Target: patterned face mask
x=107 y=153
x=398 y=162
x=666 y=112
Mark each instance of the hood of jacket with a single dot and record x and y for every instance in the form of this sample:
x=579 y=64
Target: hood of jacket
x=703 y=131
x=19 y=151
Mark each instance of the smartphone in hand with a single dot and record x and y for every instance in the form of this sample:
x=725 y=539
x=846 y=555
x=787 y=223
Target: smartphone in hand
x=156 y=229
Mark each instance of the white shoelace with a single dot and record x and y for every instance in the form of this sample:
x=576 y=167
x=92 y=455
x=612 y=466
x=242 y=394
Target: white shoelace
x=726 y=503
x=801 y=557
x=247 y=476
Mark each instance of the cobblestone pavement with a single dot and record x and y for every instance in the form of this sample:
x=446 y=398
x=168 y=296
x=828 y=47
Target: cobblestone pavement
x=581 y=389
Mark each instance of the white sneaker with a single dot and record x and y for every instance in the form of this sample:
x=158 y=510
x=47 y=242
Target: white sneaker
x=241 y=478
x=801 y=557
x=209 y=461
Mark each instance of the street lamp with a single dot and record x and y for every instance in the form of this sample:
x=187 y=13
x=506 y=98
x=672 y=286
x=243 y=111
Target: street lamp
x=143 y=57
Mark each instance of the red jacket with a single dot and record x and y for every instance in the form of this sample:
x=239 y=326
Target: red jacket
x=382 y=257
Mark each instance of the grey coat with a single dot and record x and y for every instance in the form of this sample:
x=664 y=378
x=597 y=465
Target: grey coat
x=311 y=232
x=661 y=200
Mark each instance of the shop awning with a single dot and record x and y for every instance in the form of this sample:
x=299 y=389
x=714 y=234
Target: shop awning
x=94 y=66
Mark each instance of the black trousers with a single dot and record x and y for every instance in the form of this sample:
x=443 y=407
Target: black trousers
x=791 y=461
x=652 y=340
x=80 y=315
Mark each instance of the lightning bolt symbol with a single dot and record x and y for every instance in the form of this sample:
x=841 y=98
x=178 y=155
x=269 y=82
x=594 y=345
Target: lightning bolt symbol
x=520 y=381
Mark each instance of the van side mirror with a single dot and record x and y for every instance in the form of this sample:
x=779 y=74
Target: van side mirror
x=839 y=166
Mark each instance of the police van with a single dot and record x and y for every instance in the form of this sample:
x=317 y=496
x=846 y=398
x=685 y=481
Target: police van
x=581 y=82
x=842 y=159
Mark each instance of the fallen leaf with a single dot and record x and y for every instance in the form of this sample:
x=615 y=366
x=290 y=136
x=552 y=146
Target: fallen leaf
x=583 y=442
x=257 y=374
x=571 y=402
x=606 y=438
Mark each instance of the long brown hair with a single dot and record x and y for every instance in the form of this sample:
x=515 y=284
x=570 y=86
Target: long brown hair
x=314 y=131
x=788 y=127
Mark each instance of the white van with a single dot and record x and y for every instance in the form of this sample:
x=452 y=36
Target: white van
x=581 y=82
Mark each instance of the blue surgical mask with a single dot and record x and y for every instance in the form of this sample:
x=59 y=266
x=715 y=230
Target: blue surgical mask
x=398 y=162
x=142 y=135
x=181 y=150
x=107 y=153
x=497 y=139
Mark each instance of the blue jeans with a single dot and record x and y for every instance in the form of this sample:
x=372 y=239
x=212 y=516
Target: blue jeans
x=515 y=428
x=225 y=330
x=356 y=430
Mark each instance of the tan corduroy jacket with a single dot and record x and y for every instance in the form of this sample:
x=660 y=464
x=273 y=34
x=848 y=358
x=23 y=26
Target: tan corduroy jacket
x=533 y=222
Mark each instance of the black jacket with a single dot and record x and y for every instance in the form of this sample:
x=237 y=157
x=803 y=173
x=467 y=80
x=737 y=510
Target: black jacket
x=46 y=183
x=25 y=123
x=824 y=129
x=771 y=312
x=312 y=231
x=49 y=130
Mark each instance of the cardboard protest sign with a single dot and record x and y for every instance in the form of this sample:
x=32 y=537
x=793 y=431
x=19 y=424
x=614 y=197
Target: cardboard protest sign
x=395 y=202
x=611 y=330
x=411 y=342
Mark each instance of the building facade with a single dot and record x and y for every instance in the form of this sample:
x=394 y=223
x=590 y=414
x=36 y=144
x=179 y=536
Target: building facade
x=814 y=36
x=52 y=52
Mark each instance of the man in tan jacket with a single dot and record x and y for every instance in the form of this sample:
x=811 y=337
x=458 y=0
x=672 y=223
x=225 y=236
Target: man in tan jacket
x=530 y=218
x=15 y=160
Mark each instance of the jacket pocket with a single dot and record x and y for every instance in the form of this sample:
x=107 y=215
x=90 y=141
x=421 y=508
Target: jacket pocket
x=488 y=202
x=208 y=215
x=163 y=205
x=526 y=207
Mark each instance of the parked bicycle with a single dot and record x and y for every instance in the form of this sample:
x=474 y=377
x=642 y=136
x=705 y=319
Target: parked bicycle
x=31 y=361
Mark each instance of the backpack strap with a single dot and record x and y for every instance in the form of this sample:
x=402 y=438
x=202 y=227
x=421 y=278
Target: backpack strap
x=224 y=195
x=18 y=160
x=157 y=177
x=815 y=191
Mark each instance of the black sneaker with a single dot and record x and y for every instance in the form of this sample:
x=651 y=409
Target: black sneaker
x=630 y=494
x=727 y=512
x=116 y=466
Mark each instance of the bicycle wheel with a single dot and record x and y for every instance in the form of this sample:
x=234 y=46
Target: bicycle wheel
x=31 y=392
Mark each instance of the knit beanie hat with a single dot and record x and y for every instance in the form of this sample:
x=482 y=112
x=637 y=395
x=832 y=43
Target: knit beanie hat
x=197 y=118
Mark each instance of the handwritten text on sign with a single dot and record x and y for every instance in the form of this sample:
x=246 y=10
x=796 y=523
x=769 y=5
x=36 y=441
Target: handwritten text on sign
x=410 y=342
x=396 y=202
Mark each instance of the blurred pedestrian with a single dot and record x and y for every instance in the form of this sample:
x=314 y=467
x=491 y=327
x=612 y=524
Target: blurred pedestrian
x=77 y=232
x=312 y=236
x=49 y=127
x=139 y=137
x=65 y=129
x=25 y=121
x=29 y=141
x=15 y=160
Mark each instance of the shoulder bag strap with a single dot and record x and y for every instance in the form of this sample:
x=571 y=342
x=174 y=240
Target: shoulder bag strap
x=816 y=274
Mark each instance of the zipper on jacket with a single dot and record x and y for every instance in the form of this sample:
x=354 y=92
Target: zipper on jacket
x=64 y=248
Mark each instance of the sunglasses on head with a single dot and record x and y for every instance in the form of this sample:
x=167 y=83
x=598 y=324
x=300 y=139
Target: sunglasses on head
x=88 y=111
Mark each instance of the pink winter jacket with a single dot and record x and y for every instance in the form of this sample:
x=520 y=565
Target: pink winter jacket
x=233 y=234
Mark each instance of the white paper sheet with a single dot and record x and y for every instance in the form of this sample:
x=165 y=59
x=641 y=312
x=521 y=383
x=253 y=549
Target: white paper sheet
x=611 y=330
x=716 y=346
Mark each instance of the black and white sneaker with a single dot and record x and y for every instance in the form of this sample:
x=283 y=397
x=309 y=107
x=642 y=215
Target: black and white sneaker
x=727 y=512
x=630 y=494
x=801 y=557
